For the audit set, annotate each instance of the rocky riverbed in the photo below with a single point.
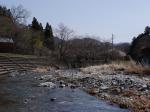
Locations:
(115, 86)
(110, 83)
(47, 92)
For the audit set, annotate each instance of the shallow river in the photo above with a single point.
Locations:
(21, 94)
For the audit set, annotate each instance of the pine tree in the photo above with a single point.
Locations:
(41, 27)
(35, 24)
(147, 30)
(48, 37)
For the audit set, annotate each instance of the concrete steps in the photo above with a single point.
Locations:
(9, 64)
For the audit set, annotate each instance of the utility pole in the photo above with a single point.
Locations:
(112, 42)
(112, 46)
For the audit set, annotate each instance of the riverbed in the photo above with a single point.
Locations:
(20, 92)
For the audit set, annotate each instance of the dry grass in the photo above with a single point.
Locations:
(131, 98)
(129, 67)
(141, 103)
(137, 69)
(43, 69)
(101, 69)
(137, 103)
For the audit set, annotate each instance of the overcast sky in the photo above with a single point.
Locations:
(123, 18)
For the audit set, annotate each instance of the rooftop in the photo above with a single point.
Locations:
(6, 40)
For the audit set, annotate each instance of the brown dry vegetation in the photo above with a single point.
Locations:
(137, 69)
(132, 68)
(129, 67)
(133, 98)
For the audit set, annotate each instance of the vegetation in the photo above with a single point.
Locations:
(28, 39)
(63, 44)
(48, 37)
(140, 47)
(111, 74)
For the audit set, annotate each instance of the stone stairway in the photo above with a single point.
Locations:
(10, 64)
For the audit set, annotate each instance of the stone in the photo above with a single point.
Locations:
(104, 87)
(93, 91)
(72, 86)
(53, 99)
(13, 74)
(62, 85)
(26, 101)
(115, 91)
(144, 88)
(47, 84)
(45, 77)
(148, 86)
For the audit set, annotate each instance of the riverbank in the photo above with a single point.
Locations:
(43, 91)
(119, 84)
(113, 83)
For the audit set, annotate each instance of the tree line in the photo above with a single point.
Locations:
(61, 43)
(140, 47)
(29, 39)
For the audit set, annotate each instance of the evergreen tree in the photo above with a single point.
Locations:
(139, 43)
(147, 30)
(48, 37)
(35, 24)
(41, 27)
(5, 12)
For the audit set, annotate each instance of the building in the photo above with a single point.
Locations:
(6, 44)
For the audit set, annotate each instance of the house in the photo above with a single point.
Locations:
(6, 44)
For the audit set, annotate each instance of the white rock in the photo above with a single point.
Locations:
(45, 77)
(103, 87)
(62, 85)
(47, 84)
(13, 74)
(144, 86)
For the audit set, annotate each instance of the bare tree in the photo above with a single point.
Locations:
(19, 14)
(64, 33)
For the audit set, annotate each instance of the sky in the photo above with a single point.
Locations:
(102, 18)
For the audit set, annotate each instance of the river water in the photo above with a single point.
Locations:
(20, 93)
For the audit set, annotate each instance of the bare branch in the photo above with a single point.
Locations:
(64, 33)
(19, 14)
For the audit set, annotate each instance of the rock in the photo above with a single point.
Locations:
(104, 95)
(115, 91)
(61, 82)
(13, 74)
(104, 87)
(122, 105)
(144, 88)
(148, 86)
(53, 99)
(62, 85)
(47, 84)
(23, 73)
(45, 77)
(26, 101)
(93, 91)
(114, 83)
(72, 86)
